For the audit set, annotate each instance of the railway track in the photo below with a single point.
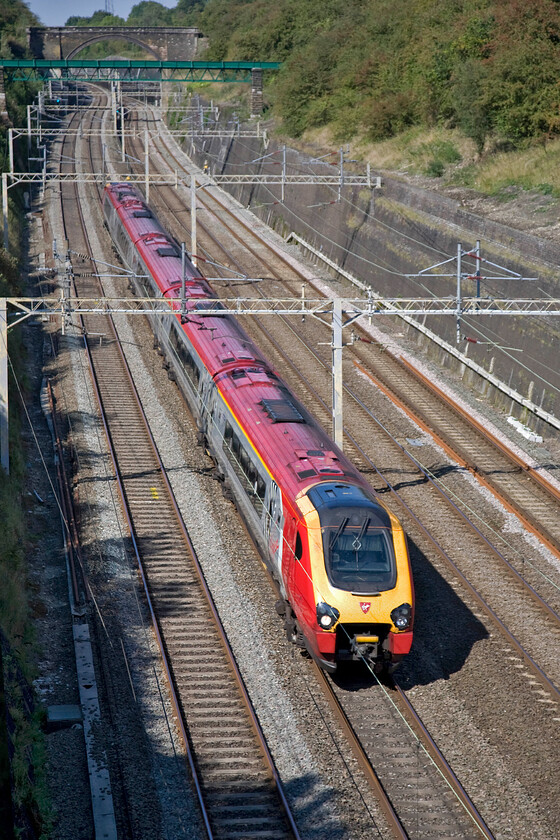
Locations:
(140, 477)
(414, 813)
(237, 784)
(444, 809)
(401, 757)
(531, 496)
(544, 502)
(522, 487)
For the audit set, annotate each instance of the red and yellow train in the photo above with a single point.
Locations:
(338, 555)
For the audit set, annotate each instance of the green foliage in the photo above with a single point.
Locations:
(150, 13)
(30, 792)
(146, 13)
(435, 168)
(15, 16)
(488, 67)
(99, 18)
(471, 101)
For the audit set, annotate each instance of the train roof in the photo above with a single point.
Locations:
(288, 439)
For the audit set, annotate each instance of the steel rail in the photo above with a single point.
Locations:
(484, 431)
(542, 603)
(161, 643)
(128, 519)
(427, 742)
(384, 801)
(444, 766)
(531, 525)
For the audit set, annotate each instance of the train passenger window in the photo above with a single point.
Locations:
(245, 463)
(184, 355)
(251, 481)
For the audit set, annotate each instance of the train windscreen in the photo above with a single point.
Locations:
(359, 554)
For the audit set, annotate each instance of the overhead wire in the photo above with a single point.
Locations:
(414, 281)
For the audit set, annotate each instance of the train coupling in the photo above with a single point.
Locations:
(365, 647)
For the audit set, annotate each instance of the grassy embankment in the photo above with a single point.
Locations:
(20, 648)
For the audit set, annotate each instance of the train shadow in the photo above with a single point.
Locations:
(446, 630)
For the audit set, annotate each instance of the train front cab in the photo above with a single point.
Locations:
(360, 577)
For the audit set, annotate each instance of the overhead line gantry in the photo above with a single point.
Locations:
(106, 70)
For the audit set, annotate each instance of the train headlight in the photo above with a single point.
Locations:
(402, 616)
(326, 616)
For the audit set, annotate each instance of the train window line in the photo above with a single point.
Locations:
(185, 358)
(251, 481)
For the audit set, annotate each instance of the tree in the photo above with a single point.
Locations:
(150, 13)
(473, 111)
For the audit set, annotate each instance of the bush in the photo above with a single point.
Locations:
(435, 168)
(489, 67)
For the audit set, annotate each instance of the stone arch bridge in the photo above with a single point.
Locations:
(164, 43)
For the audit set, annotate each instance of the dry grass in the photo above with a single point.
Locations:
(536, 168)
(427, 152)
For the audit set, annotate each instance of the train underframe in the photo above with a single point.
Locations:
(373, 645)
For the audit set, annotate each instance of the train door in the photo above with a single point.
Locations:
(274, 527)
(213, 432)
(205, 394)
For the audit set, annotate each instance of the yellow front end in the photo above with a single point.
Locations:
(364, 628)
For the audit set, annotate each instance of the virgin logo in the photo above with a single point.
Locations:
(365, 605)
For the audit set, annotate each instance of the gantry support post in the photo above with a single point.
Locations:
(183, 283)
(338, 434)
(28, 130)
(4, 116)
(147, 164)
(193, 219)
(11, 149)
(5, 210)
(478, 262)
(284, 171)
(123, 152)
(4, 447)
(114, 107)
(458, 310)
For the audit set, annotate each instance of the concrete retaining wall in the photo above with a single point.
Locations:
(380, 235)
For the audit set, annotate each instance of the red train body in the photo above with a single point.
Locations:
(338, 555)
